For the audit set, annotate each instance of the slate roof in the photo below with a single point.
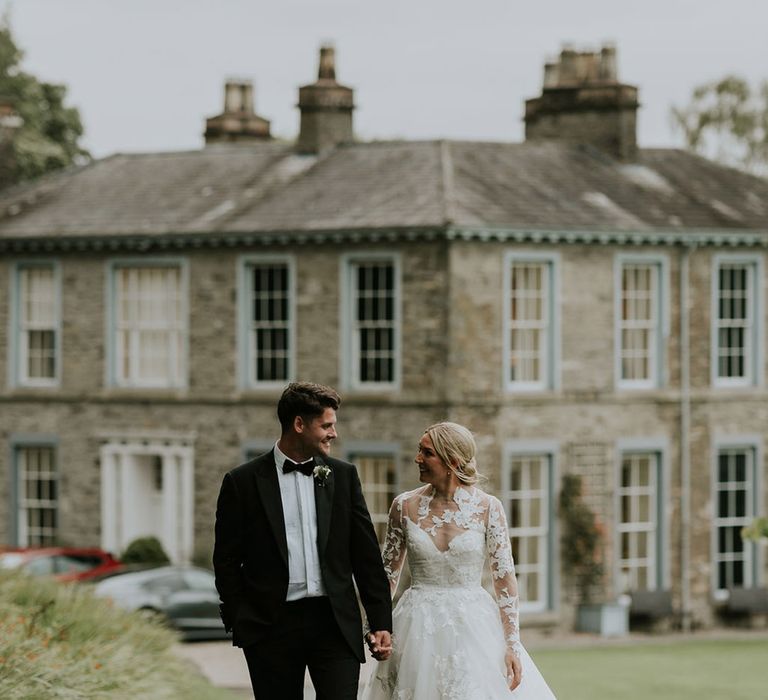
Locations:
(233, 188)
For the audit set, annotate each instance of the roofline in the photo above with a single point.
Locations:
(176, 241)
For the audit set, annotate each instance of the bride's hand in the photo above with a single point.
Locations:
(514, 669)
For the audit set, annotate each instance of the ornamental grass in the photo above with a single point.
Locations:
(59, 641)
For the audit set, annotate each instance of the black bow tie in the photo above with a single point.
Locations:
(305, 467)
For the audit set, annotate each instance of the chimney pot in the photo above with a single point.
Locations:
(608, 69)
(551, 75)
(327, 68)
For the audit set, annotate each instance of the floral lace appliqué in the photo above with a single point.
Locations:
(467, 515)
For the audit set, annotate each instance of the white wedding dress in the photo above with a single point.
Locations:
(450, 635)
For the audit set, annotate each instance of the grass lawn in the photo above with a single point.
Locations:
(685, 670)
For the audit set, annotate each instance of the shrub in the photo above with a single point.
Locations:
(145, 550)
(581, 539)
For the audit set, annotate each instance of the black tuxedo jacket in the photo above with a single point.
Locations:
(250, 555)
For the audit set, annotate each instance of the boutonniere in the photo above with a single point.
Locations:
(321, 472)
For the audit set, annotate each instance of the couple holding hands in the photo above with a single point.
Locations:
(294, 536)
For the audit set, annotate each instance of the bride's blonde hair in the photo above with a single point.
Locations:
(455, 445)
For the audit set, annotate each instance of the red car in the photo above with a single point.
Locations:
(63, 563)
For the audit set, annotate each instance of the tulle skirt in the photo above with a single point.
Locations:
(448, 644)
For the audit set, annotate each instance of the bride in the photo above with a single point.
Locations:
(452, 640)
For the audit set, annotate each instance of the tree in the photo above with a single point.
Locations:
(46, 137)
(728, 121)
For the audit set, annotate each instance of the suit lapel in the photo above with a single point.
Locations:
(269, 492)
(323, 502)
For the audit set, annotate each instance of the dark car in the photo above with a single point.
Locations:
(63, 563)
(183, 596)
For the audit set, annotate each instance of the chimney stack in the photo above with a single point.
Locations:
(326, 109)
(238, 122)
(582, 101)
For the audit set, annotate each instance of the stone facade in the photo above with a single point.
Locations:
(452, 367)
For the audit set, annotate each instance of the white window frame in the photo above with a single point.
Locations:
(381, 450)
(18, 364)
(660, 329)
(754, 348)
(113, 377)
(753, 557)
(246, 351)
(659, 448)
(551, 348)
(548, 551)
(19, 505)
(349, 366)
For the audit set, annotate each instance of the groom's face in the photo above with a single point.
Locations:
(317, 434)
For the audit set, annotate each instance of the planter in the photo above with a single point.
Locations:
(605, 619)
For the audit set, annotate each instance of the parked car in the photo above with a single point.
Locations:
(63, 563)
(185, 597)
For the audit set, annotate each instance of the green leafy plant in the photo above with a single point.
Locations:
(145, 550)
(581, 540)
(756, 530)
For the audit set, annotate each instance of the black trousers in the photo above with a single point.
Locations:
(305, 635)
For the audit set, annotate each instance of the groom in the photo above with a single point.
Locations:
(292, 529)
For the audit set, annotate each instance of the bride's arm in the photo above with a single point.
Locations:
(503, 572)
(394, 544)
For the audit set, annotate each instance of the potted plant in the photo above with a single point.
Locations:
(582, 539)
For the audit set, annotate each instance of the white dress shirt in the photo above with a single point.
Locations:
(297, 493)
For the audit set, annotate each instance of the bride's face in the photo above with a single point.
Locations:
(432, 469)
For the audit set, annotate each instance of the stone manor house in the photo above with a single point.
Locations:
(582, 304)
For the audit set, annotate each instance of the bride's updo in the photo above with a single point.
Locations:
(455, 445)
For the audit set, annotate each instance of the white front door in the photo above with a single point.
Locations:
(146, 490)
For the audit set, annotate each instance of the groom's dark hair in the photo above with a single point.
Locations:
(307, 400)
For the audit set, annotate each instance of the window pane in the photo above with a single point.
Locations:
(374, 322)
(37, 496)
(378, 477)
(639, 321)
(638, 527)
(735, 321)
(38, 321)
(269, 330)
(529, 322)
(734, 489)
(529, 523)
(149, 326)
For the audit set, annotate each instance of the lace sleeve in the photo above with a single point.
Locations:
(503, 573)
(394, 544)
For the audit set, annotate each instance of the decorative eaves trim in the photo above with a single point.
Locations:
(172, 242)
(688, 237)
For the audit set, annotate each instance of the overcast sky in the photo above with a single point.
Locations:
(146, 73)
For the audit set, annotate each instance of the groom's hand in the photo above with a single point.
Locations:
(380, 644)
